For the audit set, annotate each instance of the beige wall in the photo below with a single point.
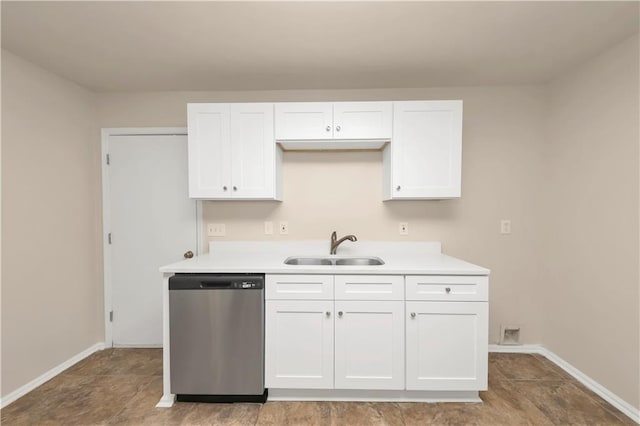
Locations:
(51, 284)
(590, 288)
(503, 142)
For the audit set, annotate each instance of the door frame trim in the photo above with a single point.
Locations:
(106, 133)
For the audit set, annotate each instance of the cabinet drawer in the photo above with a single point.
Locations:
(447, 287)
(299, 287)
(369, 287)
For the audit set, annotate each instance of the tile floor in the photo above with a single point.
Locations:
(122, 386)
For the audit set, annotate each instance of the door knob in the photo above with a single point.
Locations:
(188, 254)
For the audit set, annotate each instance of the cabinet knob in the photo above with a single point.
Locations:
(398, 188)
(328, 314)
(413, 314)
(235, 188)
(339, 313)
(224, 188)
(448, 289)
(337, 128)
(188, 254)
(328, 128)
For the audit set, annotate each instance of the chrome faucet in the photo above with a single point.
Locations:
(335, 242)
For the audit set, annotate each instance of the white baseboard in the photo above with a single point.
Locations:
(516, 349)
(166, 401)
(613, 399)
(22, 390)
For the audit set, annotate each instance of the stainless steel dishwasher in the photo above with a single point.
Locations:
(217, 337)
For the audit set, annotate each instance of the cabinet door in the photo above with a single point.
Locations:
(299, 344)
(426, 149)
(253, 151)
(369, 345)
(362, 120)
(209, 151)
(304, 121)
(447, 345)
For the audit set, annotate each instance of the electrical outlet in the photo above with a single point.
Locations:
(505, 226)
(284, 228)
(404, 228)
(216, 230)
(268, 228)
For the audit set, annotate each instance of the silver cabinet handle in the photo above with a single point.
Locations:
(224, 188)
(340, 313)
(413, 314)
(398, 188)
(328, 314)
(448, 289)
(235, 188)
(328, 128)
(337, 128)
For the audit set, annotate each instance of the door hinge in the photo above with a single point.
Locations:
(109, 237)
(111, 316)
(108, 159)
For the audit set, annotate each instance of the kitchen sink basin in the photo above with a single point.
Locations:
(338, 261)
(360, 261)
(308, 261)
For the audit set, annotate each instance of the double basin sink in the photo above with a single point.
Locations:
(335, 261)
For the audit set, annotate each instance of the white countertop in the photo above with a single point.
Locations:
(406, 258)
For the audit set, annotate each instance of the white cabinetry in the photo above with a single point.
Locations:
(369, 352)
(446, 345)
(232, 152)
(299, 333)
(310, 121)
(435, 326)
(424, 159)
(299, 344)
(447, 332)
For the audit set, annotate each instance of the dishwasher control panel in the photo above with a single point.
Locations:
(216, 282)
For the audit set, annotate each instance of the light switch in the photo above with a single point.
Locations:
(216, 230)
(505, 226)
(268, 228)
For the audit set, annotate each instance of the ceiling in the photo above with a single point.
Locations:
(142, 46)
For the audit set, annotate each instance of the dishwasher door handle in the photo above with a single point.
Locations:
(215, 284)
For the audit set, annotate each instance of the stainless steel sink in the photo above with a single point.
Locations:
(360, 261)
(338, 261)
(308, 261)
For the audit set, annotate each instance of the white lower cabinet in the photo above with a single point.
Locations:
(299, 344)
(369, 351)
(446, 344)
(426, 336)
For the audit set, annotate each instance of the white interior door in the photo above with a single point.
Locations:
(152, 223)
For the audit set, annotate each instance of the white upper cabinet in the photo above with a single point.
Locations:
(304, 121)
(232, 152)
(311, 121)
(424, 159)
(362, 120)
(209, 150)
